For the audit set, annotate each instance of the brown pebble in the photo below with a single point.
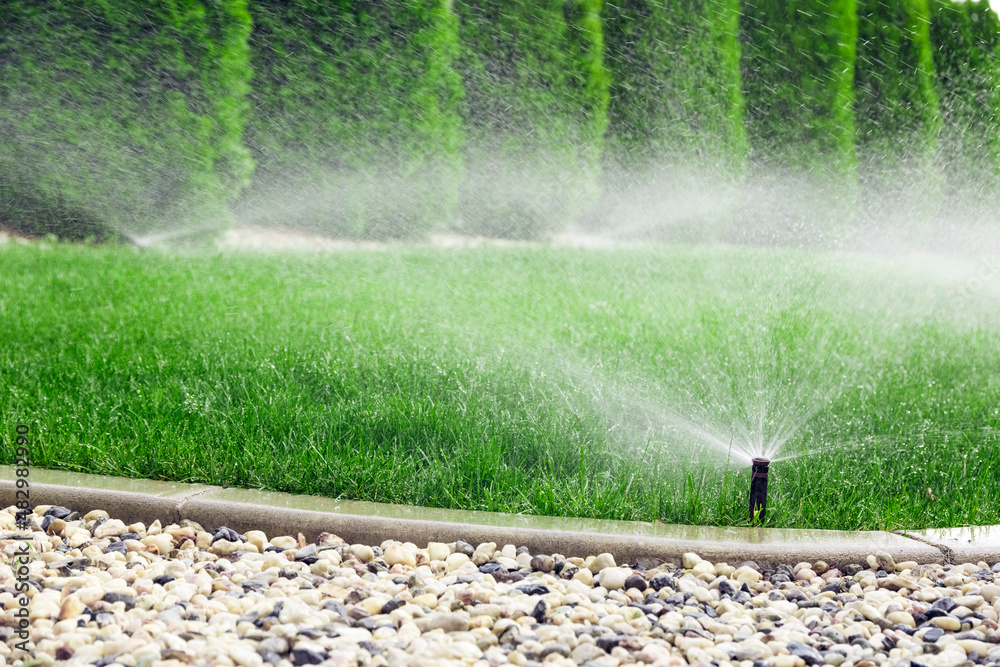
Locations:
(171, 654)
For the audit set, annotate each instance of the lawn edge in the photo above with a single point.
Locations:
(135, 500)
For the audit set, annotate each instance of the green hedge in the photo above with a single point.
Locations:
(896, 111)
(798, 80)
(535, 109)
(121, 118)
(355, 125)
(675, 120)
(965, 38)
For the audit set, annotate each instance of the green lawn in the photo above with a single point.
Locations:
(623, 384)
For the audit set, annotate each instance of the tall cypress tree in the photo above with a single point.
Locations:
(355, 124)
(534, 113)
(896, 111)
(124, 118)
(798, 80)
(968, 78)
(675, 120)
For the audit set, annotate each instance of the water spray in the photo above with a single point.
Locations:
(758, 488)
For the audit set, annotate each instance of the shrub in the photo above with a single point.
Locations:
(965, 39)
(121, 119)
(798, 80)
(355, 123)
(534, 111)
(896, 110)
(675, 142)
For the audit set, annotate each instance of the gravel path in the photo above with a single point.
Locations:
(103, 593)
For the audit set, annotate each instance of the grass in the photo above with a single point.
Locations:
(529, 379)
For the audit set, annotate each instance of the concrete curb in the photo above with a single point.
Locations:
(370, 523)
(968, 544)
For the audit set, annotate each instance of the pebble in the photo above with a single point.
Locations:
(690, 560)
(637, 582)
(446, 622)
(396, 554)
(613, 578)
(807, 653)
(112, 528)
(484, 553)
(438, 551)
(108, 594)
(455, 561)
(542, 563)
(949, 623)
(600, 562)
(885, 561)
(362, 552)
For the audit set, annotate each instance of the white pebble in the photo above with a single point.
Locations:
(112, 528)
(600, 562)
(690, 559)
(455, 561)
(438, 551)
(397, 555)
(613, 578)
(484, 553)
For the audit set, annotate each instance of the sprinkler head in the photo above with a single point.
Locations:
(758, 488)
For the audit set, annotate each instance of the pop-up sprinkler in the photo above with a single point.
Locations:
(758, 488)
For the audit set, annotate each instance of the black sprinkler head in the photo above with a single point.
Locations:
(758, 488)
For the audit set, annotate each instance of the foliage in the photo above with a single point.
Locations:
(121, 118)
(675, 121)
(896, 109)
(535, 111)
(966, 38)
(355, 125)
(798, 80)
(798, 77)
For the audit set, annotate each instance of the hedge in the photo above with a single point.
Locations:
(798, 80)
(535, 110)
(355, 125)
(896, 110)
(121, 118)
(675, 120)
(965, 39)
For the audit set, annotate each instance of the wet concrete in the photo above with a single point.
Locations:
(130, 500)
(39, 476)
(632, 540)
(969, 544)
(371, 523)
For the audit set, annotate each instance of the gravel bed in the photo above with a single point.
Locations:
(105, 593)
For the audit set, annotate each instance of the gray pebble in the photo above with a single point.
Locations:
(542, 563)
(277, 645)
(307, 656)
(558, 649)
(810, 655)
(447, 622)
